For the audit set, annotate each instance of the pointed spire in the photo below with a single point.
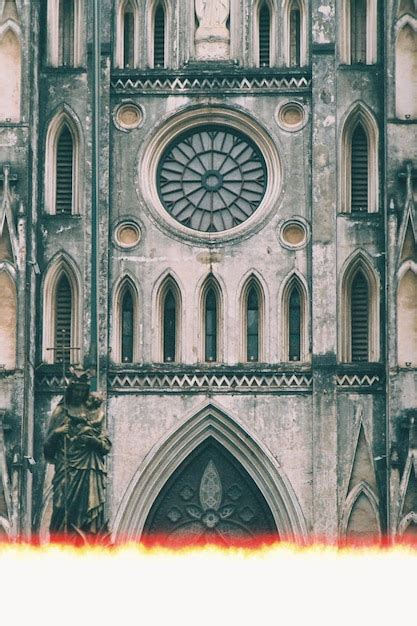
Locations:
(10, 11)
(6, 250)
(409, 248)
(362, 469)
(7, 199)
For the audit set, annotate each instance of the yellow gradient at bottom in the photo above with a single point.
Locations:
(207, 586)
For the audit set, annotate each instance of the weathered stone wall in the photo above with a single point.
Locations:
(312, 429)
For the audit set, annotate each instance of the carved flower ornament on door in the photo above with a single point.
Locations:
(210, 517)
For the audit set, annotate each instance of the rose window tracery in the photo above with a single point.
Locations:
(211, 179)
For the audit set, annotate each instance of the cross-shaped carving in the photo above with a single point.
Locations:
(63, 350)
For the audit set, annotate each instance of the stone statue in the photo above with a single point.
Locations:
(77, 443)
(212, 13)
(212, 37)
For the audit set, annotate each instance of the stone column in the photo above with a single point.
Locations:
(324, 275)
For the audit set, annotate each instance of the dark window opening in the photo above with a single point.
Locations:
(66, 32)
(358, 31)
(64, 173)
(128, 36)
(211, 326)
(252, 325)
(264, 36)
(359, 170)
(159, 38)
(127, 327)
(170, 322)
(294, 325)
(360, 318)
(295, 38)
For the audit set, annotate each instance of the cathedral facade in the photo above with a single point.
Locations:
(212, 206)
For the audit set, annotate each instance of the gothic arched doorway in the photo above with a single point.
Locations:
(209, 498)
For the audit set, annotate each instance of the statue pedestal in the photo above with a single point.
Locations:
(212, 43)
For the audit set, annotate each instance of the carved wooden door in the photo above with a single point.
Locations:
(210, 497)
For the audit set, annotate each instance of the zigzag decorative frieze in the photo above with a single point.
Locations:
(198, 382)
(52, 381)
(358, 380)
(234, 83)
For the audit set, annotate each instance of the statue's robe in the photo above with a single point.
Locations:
(80, 474)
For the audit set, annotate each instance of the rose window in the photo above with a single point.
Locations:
(211, 179)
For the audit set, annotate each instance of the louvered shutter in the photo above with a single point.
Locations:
(64, 167)
(360, 318)
(159, 38)
(127, 327)
(359, 171)
(264, 36)
(63, 320)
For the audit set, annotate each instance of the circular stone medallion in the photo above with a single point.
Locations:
(129, 116)
(293, 233)
(291, 116)
(211, 178)
(127, 234)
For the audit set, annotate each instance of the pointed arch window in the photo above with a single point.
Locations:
(169, 327)
(359, 170)
(294, 324)
(127, 326)
(295, 35)
(406, 70)
(128, 35)
(61, 313)
(159, 37)
(264, 35)
(64, 38)
(64, 171)
(63, 177)
(358, 21)
(210, 326)
(294, 345)
(10, 74)
(66, 33)
(359, 162)
(358, 31)
(359, 318)
(359, 323)
(407, 316)
(252, 324)
(63, 321)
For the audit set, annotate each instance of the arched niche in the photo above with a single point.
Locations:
(363, 523)
(407, 319)
(210, 422)
(406, 73)
(10, 76)
(8, 321)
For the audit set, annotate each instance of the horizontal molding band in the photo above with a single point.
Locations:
(224, 380)
(224, 83)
